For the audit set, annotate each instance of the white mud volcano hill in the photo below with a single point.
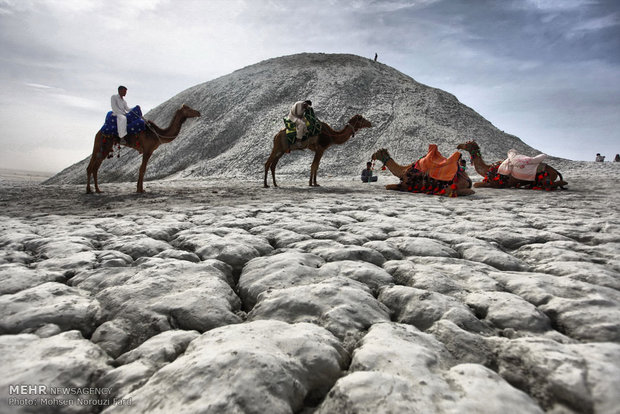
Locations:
(242, 111)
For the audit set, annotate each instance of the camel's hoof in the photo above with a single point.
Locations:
(265, 186)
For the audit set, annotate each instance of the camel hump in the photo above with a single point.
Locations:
(437, 166)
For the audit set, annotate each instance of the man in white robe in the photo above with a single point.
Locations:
(297, 115)
(120, 109)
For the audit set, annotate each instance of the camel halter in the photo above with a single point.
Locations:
(348, 124)
(474, 152)
(352, 127)
(385, 159)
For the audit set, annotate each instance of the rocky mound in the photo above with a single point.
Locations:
(242, 111)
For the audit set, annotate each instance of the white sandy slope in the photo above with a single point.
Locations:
(220, 296)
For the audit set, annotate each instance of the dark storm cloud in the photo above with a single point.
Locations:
(544, 70)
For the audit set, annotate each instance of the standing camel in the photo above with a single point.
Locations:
(145, 142)
(546, 175)
(415, 180)
(319, 143)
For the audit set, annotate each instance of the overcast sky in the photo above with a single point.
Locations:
(547, 71)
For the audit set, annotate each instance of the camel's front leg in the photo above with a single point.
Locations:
(271, 165)
(314, 168)
(100, 152)
(89, 172)
(267, 165)
(395, 187)
(92, 169)
(96, 182)
(145, 160)
(273, 168)
(480, 184)
(464, 192)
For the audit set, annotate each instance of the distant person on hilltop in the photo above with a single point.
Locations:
(617, 158)
(367, 176)
(599, 158)
(297, 116)
(376, 57)
(120, 110)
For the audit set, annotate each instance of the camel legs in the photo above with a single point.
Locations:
(271, 163)
(394, 187)
(93, 167)
(555, 175)
(464, 192)
(91, 170)
(315, 167)
(145, 159)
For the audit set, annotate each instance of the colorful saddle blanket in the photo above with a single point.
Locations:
(520, 166)
(135, 124)
(313, 126)
(437, 166)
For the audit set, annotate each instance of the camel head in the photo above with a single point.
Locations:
(359, 122)
(189, 112)
(469, 146)
(382, 155)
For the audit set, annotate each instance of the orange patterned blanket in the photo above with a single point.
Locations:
(437, 166)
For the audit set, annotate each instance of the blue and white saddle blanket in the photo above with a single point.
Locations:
(135, 124)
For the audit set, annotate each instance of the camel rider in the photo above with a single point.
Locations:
(120, 109)
(297, 115)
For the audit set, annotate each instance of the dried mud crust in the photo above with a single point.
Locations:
(354, 295)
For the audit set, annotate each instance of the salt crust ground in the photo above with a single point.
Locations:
(222, 296)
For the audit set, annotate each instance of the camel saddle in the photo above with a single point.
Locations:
(313, 126)
(135, 123)
(521, 166)
(437, 166)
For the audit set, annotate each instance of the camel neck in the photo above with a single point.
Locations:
(172, 131)
(396, 169)
(476, 158)
(175, 125)
(342, 136)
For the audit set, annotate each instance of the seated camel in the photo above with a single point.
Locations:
(516, 171)
(431, 174)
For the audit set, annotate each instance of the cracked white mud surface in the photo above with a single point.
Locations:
(223, 296)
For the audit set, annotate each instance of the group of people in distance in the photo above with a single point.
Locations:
(601, 158)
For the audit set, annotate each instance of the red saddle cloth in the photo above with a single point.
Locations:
(437, 166)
